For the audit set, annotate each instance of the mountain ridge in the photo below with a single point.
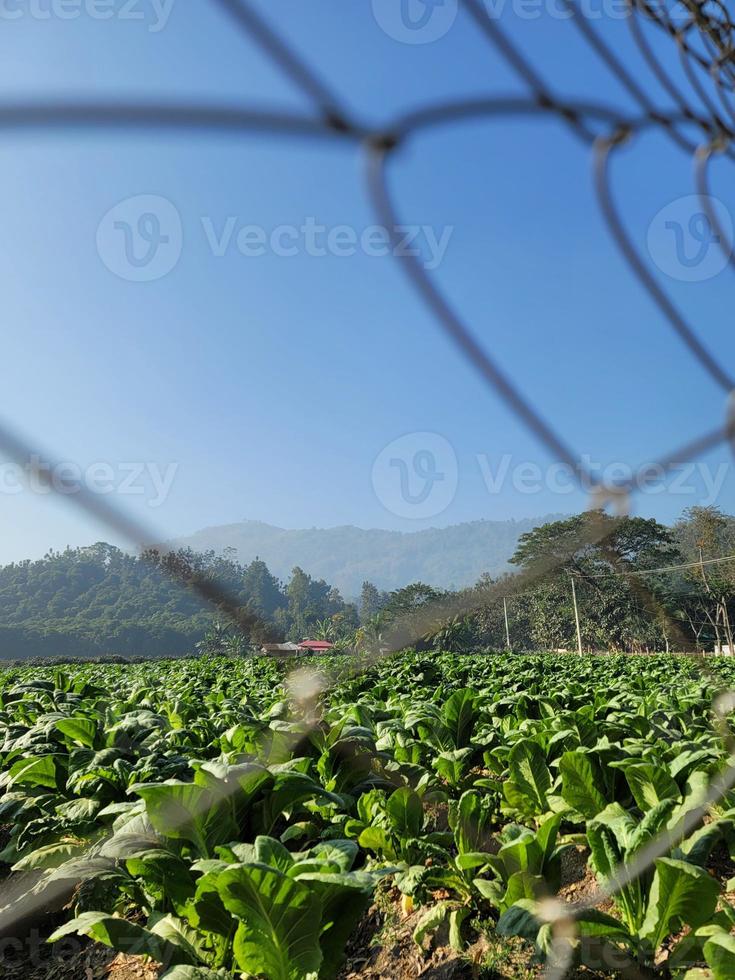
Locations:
(346, 555)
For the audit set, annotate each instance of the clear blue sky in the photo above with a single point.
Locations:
(274, 382)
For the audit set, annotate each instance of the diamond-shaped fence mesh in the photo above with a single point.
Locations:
(701, 35)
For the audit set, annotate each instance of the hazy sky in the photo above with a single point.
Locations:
(268, 386)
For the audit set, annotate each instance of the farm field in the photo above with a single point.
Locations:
(218, 818)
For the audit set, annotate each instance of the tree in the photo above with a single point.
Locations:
(371, 601)
(707, 591)
(620, 611)
(264, 591)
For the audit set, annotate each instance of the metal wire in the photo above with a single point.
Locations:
(706, 49)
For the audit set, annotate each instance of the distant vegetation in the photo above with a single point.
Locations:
(97, 600)
(87, 602)
(445, 558)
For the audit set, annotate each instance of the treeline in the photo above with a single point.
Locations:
(629, 596)
(99, 600)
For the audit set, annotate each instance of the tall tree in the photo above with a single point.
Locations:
(371, 601)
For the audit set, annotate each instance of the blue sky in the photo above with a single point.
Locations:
(267, 386)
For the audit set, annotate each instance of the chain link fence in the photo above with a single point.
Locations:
(700, 122)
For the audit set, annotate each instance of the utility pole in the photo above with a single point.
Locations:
(576, 616)
(507, 631)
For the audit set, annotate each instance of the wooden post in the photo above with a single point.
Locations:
(507, 631)
(576, 616)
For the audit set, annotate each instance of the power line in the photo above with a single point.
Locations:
(663, 568)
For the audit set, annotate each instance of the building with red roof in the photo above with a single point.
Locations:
(315, 646)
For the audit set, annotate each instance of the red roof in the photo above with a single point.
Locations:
(316, 645)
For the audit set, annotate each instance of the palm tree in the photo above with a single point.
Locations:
(325, 629)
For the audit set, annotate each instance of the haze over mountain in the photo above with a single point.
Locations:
(450, 557)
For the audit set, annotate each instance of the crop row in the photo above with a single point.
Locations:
(212, 816)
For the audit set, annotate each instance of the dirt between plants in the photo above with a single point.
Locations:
(93, 962)
(382, 948)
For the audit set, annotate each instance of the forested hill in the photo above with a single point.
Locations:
(445, 558)
(100, 600)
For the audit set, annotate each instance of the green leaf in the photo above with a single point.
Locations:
(521, 854)
(406, 812)
(49, 857)
(377, 839)
(698, 846)
(456, 918)
(649, 784)
(493, 891)
(270, 851)
(459, 715)
(78, 811)
(453, 765)
(123, 936)
(165, 875)
(344, 898)
(653, 822)
(522, 885)
(519, 920)
(35, 771)
(179, 934)
(547, 833)
(195, 973)
(473, 859)
(591, 922)
(530, 778)
(341, 852)
(431, 920)
(610, 835)
(719, 952)
(81, 730)
(186, 811)
(471, 820)
(680, 893)
(581, 784)
(280, 922)
(290, 788)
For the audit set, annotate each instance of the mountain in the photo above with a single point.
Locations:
(451, 557)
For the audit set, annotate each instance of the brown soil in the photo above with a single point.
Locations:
(722, 867)
(436, 816)
(578, 881)
(574, 865)
(68, 962)
(382, 947)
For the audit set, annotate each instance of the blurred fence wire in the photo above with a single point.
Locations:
(700, 121)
